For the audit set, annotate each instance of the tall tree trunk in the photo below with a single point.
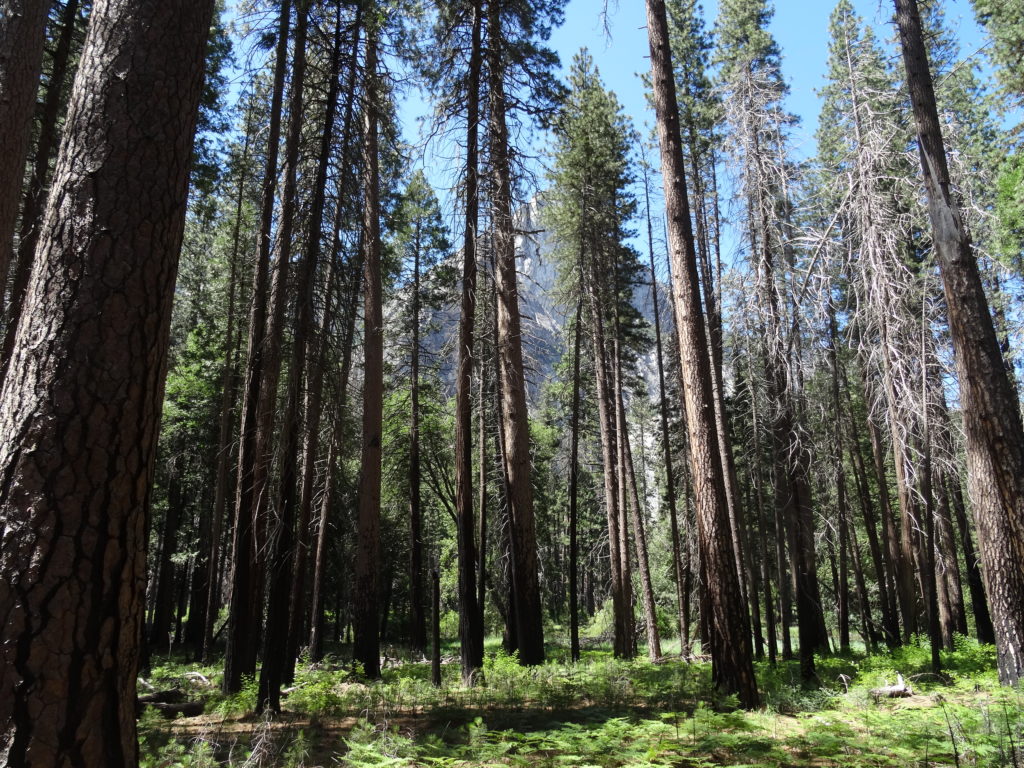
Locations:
(419, 624)
(890, 620)
(80, 410)
(366, 646)
(22, 36)
(526, 589)
(732, 659)
(222, 491)
(34, 198)
(163, 595)
(471, 634)
(992, 422)
(666, 443)
(481, 415)
(574, 472)
(842, 504)
(606, 428)
(244, 609)
(624, 504)
(307, 349)
(276, 664)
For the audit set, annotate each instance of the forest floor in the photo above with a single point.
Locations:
(602, 713)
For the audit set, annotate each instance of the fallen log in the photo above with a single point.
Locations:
(172, 709)
(901, 690)
(169, 696)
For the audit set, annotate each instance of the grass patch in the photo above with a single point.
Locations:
(604, 712)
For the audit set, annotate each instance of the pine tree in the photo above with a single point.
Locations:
(588, 206)
(753, 89)
(731, 653)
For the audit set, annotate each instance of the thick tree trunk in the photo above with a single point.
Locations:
(732, 659)
(471, 634)
(244, 609)
(366, 646)
(992, 422)
(22, 34)
(80, 409)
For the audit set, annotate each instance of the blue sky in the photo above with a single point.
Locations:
(799, 26)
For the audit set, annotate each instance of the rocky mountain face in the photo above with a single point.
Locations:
(544, 312)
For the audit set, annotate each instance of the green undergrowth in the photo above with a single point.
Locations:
(605, 712)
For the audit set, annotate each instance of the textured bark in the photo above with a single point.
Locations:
(471, 631)
(366, 641)
(34, 198)
(992, 422)
(732, 659)
(80, 409)
(244, 609)
(22, 32)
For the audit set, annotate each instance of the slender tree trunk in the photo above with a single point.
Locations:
(163, 595)
(574, 471)
(624, 504)
(992, 422)
(842, 504)
(471, 635)
(244, 608)
(222, 491)
(34, 198)
(890, 621)
(526, 589)
(22, 36)
(435, 646)
(666, 443)
(419, 625)
(606, 423)
(312, 361)
(640, 542)
(276, 664)
(732, 659)
(481, 583)
(366, 646)
(80, 409)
